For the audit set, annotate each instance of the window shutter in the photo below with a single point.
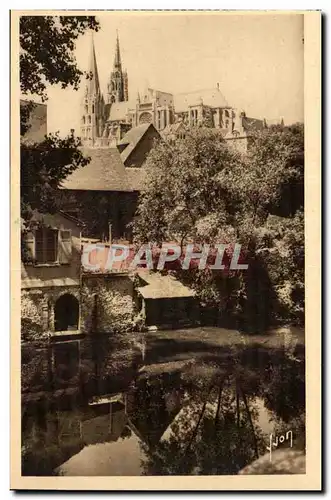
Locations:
(65, 246)
(39, 246)
(29, 242)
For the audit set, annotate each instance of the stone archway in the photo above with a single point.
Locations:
(66, 313)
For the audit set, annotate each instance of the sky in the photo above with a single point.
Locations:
(256, 59)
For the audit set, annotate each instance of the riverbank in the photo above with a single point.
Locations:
(165, 346)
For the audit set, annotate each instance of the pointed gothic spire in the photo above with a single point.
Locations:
(117, 60)
(93, 85)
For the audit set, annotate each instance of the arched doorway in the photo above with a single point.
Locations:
(66, 313)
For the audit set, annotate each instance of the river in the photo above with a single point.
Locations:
(200, 401)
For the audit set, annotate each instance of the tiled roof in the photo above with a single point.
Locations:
(210, 97)
(105, 172)
(132, 138)
(119, 110)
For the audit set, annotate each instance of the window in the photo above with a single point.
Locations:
(92, 108)
(89, 118)
(46, 245)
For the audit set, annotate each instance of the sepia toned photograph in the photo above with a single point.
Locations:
(161, 281)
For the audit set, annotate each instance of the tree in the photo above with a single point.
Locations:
(200, 190)
(47, 46)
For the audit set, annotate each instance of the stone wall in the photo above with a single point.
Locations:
(108, 304)
(37, 310)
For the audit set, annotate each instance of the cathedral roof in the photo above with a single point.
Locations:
(209, 97)
(105, 172)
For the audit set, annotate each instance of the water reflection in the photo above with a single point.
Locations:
(207, 417)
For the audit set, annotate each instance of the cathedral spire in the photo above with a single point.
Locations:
(117, 88)
(93, 86)
(92, 111)
(117, 60)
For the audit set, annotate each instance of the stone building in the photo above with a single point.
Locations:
(50, 273)
(105, 121)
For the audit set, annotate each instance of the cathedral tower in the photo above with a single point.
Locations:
(117, 89)
(93, 104)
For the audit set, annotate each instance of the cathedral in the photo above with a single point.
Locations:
(106, 119)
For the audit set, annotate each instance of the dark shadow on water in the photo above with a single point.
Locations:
(209, 415)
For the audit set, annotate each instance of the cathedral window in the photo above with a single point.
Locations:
(84, 120)
(145, 118)
(89, 118)
(165, 118)
(92, 108)
(86, 108)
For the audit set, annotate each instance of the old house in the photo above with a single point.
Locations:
(50, 274)
(104, 193)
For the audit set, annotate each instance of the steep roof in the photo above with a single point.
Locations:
(105, 172)
(133, 137)
(210, 97)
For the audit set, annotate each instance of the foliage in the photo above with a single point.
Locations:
(31, 320)
(199, 190)
(47, 45)
(43, 167)
(107, 310)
